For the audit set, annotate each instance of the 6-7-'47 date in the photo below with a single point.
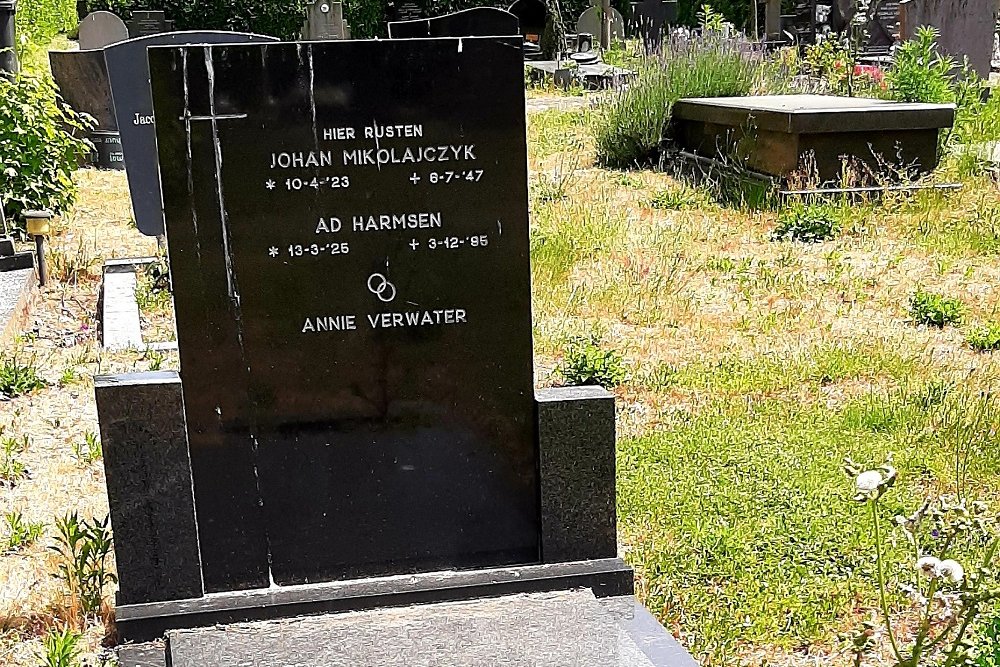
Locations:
(470, 176)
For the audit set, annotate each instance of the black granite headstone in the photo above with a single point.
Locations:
(348, 240)
(651, 17)
(883, 28)
(148, 22)
(128, 71)
(475, 22)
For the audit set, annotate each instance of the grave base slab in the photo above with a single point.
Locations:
(557, 629)
(149, 621)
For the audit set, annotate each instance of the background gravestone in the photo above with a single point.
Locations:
(590, 22)
(966, 27)
(148, 22)
(100, 29)
(883, 28)
(404, 10)
(475, 22)
(349, 247)
(128, 71)
(324, 20)
(531, 16)
(651, 17)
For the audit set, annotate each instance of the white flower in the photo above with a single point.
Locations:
(868, 481)
(950, 570)
(928, 566)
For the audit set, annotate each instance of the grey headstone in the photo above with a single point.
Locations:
(100, 29)
(966, 27)
(149, 486)
(576, 443)
(590, 22)
(128, 70)
(565, 629)
(324, 20)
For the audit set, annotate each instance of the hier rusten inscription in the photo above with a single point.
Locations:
(349, 244)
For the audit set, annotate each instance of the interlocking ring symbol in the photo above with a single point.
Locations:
(380, 286)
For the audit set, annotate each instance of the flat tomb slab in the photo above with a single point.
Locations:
(797, 114)
(563, 629)
(781, 134)
(17, 290)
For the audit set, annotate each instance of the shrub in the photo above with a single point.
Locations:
(808, 223)
(278, 18)
(39, 145)
(631, 126)
(920, 73)
(38, 21)
(935, 309)
(984, 338)
(586, 363)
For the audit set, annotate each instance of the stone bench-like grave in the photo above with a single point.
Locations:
(781, 134)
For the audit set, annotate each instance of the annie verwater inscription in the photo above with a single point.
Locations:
(349, 242)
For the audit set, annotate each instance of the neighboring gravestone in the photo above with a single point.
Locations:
(100, 29)
(531, 16)
(966, 27)
(476, 22)
(883, 28)
(651, 17)
(404, 11)
(82, 77)
(324, 20)
(129, 74)
(590, 22)
(147, 22)
(385, 426)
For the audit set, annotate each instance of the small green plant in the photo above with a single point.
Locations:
(585, 362)
(18, 377)
(156, 359)
(83, 548)
(935, 309)
(68, 376)
(20, 533)
(807, 222)
(89, 450)
(984, 338)
(949, 578)
(676, 199)
(61, 648)
(12, 469)
(920, 73)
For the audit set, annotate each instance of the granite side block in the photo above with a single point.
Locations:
(576, 442)
(150, 493)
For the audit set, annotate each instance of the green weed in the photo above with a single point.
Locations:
(934, 309)
(678, 198)
(807, 222)
(20, 533)
(585, 362)
(18, 377)
(12, 469)
(62, 648)
(89, 450)
(83, 548)
(984, 338)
